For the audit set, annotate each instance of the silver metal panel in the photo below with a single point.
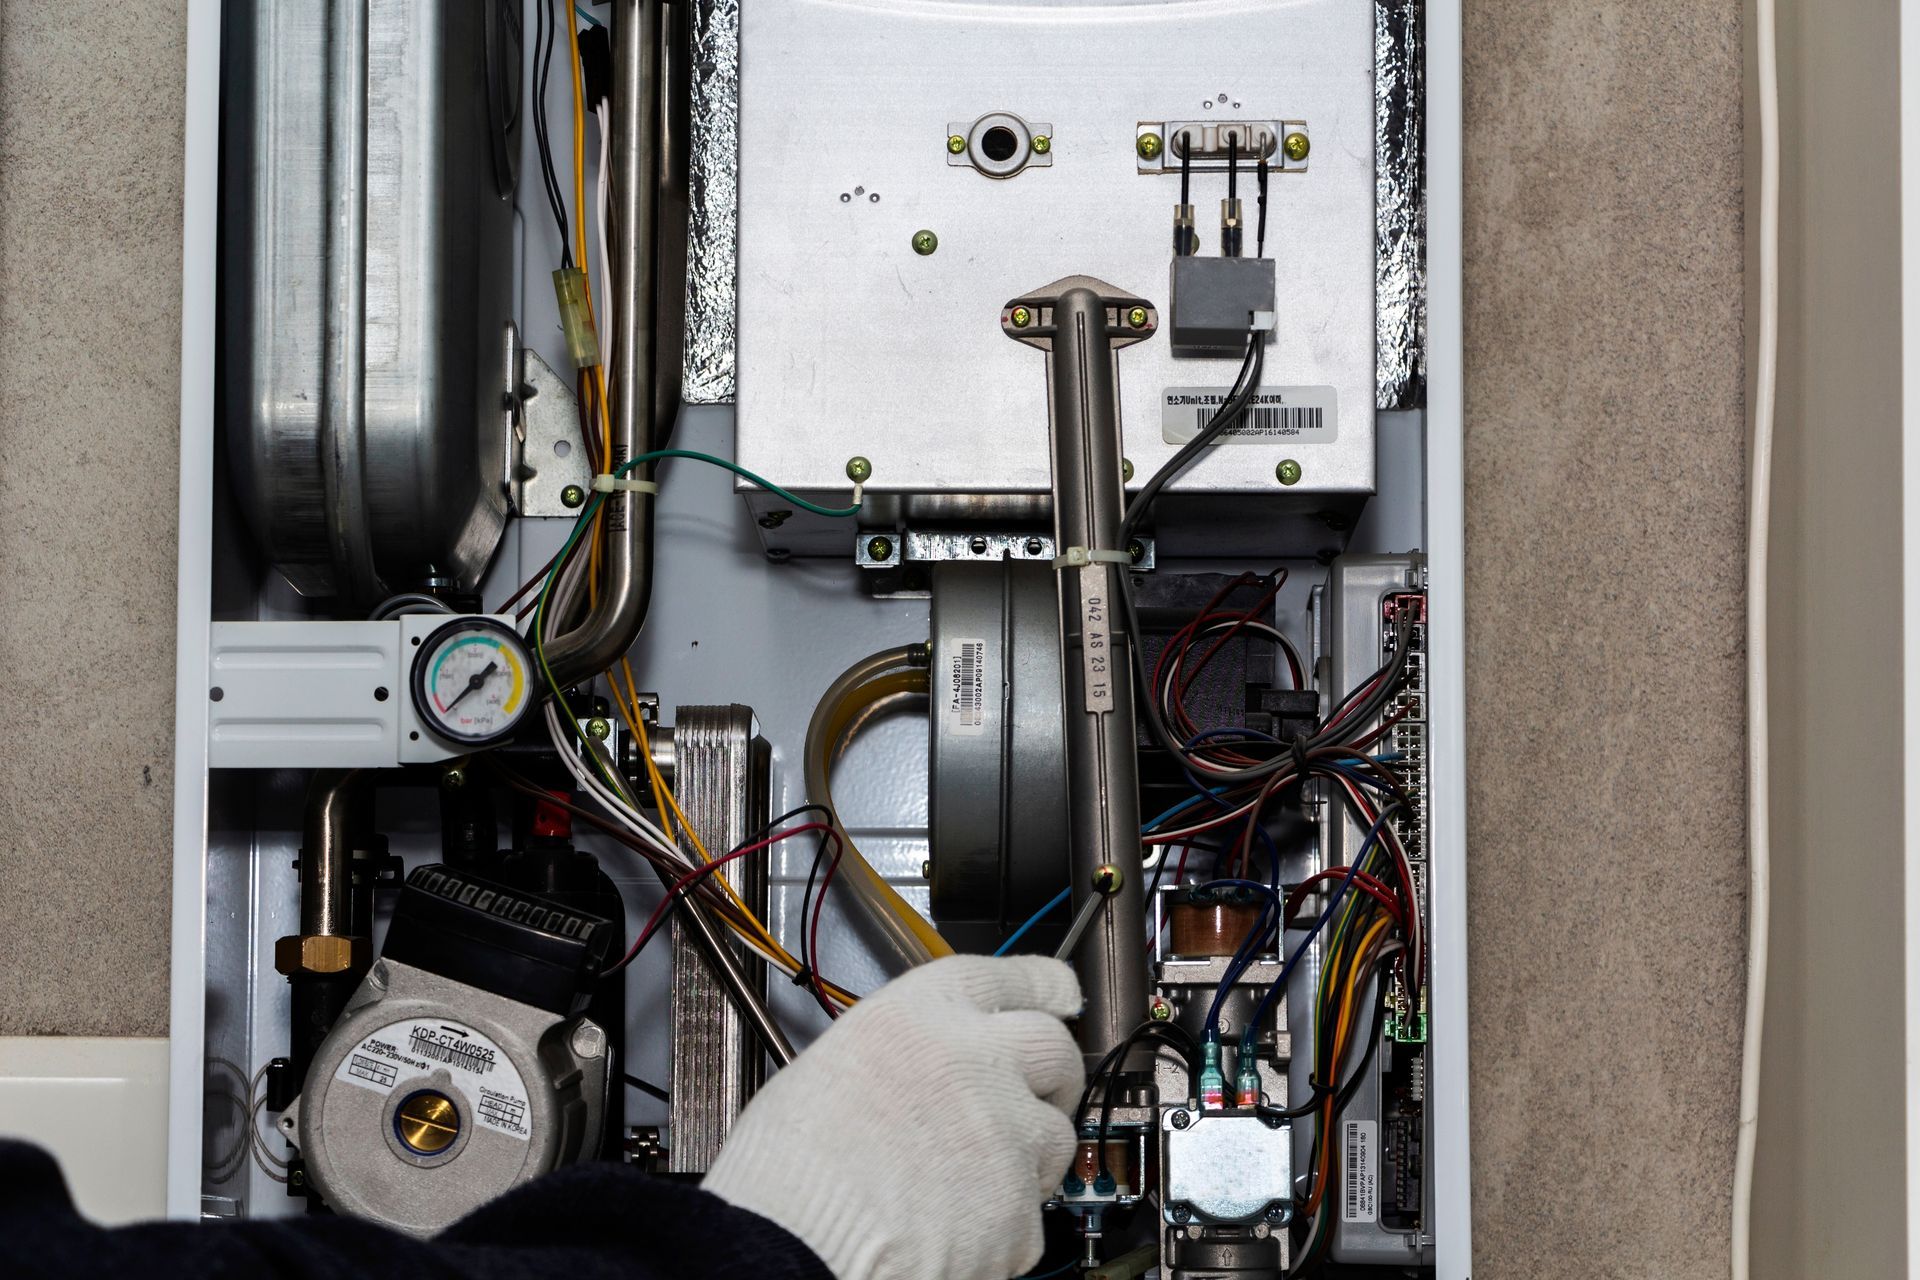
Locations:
(1400, 138)
(720, 778)
(852, 343)
(1226, 1167)
(418, 214)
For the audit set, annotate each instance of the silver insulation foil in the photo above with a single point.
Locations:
(1400, 203)
(713, 217)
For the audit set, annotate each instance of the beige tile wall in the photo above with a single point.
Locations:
(1604, 539)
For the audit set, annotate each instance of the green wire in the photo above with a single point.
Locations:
(584, 523)
(743, 473)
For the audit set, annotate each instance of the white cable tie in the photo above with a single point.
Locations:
(1080, 557)
(619, 484)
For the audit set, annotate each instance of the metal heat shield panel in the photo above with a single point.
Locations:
(853, 343)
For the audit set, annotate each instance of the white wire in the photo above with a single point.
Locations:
(1759, 519)
(603, 306)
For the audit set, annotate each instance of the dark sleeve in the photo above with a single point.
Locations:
(593, 1221)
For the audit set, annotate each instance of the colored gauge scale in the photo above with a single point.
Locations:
(473, 681)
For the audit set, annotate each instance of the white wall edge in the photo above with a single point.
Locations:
(187, 1012)
(1450, 1093)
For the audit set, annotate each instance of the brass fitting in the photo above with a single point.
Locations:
(319, 954)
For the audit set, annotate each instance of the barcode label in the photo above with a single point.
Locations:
(966, 700)
(1360, 1201)
(1278, 415)
(452, 1052)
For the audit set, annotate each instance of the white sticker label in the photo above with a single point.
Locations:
(1278, 415)
(1096, 645)
(1361, 1201)
(966, 705)
(409, 1051)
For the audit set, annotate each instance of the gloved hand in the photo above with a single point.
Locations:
(918, 1138)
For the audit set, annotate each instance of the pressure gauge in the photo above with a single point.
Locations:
(473, 681)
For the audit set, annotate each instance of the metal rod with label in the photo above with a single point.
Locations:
(1081, 323)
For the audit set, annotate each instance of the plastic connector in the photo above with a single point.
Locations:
(576, 316)
(1213, 1081)
(1246, 1080)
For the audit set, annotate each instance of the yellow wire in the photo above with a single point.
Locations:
(630, 707)
(669, 807)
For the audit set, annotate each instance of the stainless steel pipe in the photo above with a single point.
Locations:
(1081, 323)
(642, 32)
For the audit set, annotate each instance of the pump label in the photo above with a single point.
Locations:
(412, 1053)
(1361, 1148)
(966, 688)
(1278, 415)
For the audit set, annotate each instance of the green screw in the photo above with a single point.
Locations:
(1126, 468)
(879, 548)
(1296, 146)
(956, 144)
(1021, 317)
(1148, 145)
(1158, 1010)
(925, 242)
(572, 496)
(1136, 551)
(1137, 317)
(1042, 144)
(598, 729)
(859, 470)
(1288, 472)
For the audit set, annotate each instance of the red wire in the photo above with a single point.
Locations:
(813, 936)
(705, 869)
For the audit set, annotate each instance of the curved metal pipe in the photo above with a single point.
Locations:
(326, 855)
(343, 424)
(647, 170)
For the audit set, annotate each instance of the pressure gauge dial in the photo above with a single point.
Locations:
(473, 681)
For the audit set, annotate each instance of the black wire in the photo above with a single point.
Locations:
(1260, 236)
(1172, 1035)
(1352, 1086)
(546, 28)
(651, 1090)
(1245, 386)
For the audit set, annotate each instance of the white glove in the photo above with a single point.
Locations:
(918, 1138)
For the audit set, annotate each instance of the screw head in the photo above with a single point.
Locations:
(1148, 145)
(1107, 879)
(1158, 1010)
(1180, 1119)
(879, 548)
(926, 869)
(589, 1041)
(859, 470)
(1136, 551)
(453, 777)
(925, 242)
(598, 729)
(955, 144)
(1296, 147)
(1021, 317)
(978, 546)
(1035, 546)
(1126, 468)
(1137, 317)
(1042, 144)
(572, 496)
(1288, 472)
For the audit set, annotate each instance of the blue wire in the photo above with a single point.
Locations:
(1048, 1275)
(1286, 970)
(1033, 920)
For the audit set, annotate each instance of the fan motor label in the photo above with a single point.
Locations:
(965, 700)
(411, 1052)
(1360, 1149)
(1278, 415)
